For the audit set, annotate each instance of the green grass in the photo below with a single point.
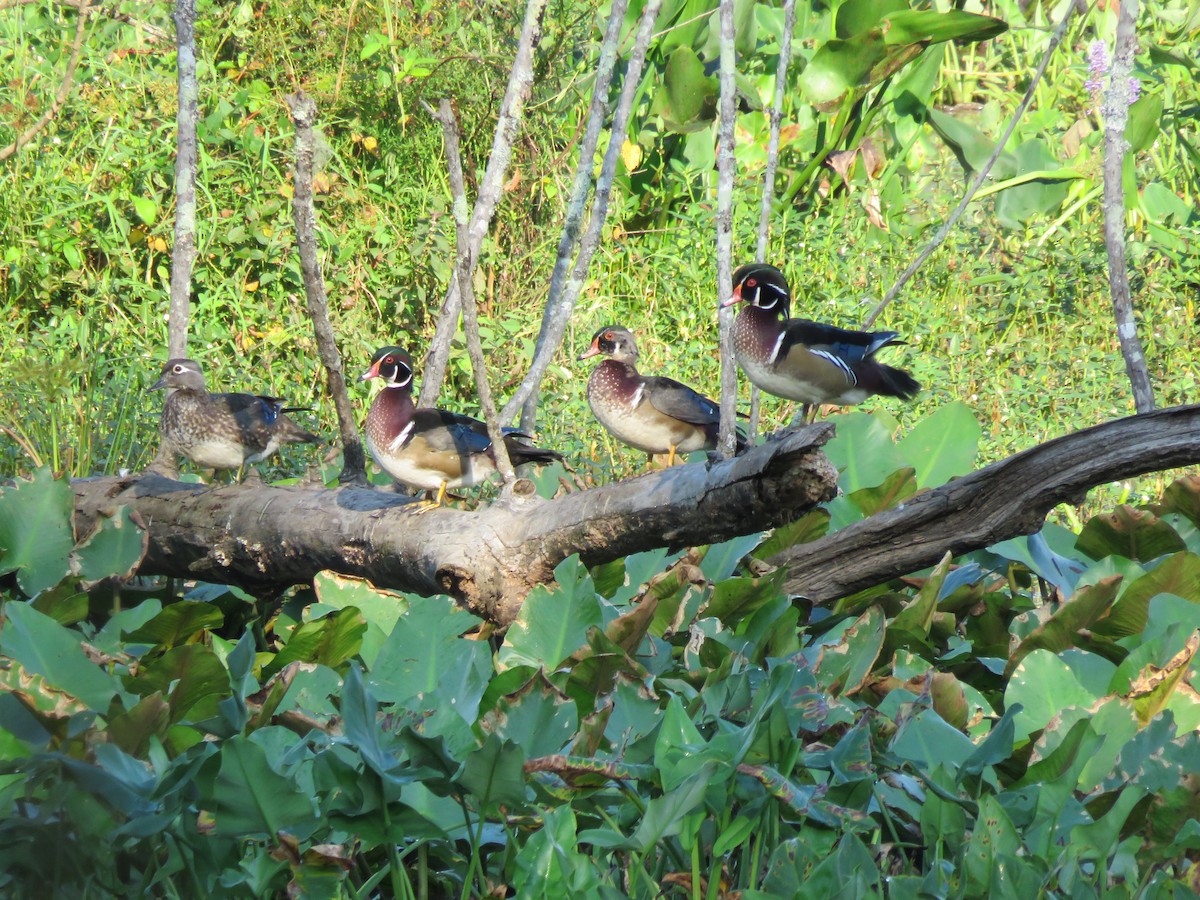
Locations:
(1014, 322)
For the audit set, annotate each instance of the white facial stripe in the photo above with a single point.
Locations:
(398, 440)
(399, 384)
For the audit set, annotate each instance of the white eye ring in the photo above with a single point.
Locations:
(178, 369)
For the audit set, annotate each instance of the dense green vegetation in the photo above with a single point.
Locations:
(1019, 721)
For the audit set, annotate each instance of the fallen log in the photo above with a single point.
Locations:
(1004, 500)
(489, 559)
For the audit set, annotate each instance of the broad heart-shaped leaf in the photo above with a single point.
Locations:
(379, 607)
(36, 531)
(132, 729)
(894, 489)
(1081, 611)
(1182, 496)
(911, 26)
(842, 667)
(664, 815)
(689, 94)
(553, 622)
(1178, 574)
(248, 797)
(330, 641)
(1044, 554)
(840, 66)
(1142, 128)
(812, 525)
(912, 623)
(191, 677)
(114, 548)
(539, 718)
(856, 16)
(970, 146)
(943, 444)
(734, 599)
(1022, 202)
(863, 450)
(550, 866)
(1136, 534)
(993, 837)
(495, 774)
(424, 655)
(1154, 686)
(177, 624)
(1044, 686)
(43, 647)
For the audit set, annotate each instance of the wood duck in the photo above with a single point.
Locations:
(221, 431)
(803, 360)
(428, 448)
(652, 413)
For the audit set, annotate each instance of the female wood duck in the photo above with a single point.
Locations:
(803, 360)
(428, 448)
(649, 413)
(221, 431)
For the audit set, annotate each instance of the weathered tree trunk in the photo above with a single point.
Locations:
(489, 559)
(258, 535)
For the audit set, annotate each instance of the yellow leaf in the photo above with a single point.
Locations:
(370, 143)
(631, 155)
(250, 286)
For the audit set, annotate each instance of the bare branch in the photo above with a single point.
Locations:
(1116, 112)
(463, 268)
(558, 309)
(183, 252)
(727, 439)
(304, 113)
(508, 125)
(980, 176)
(768, 197)
(64, 89)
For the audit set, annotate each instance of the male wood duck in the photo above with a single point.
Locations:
(803, 360)
(221, 431)
(652, 413)
(428, 448)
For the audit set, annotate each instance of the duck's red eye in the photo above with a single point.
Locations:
(751, 282)
(608, 336)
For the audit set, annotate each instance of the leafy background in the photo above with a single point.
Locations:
(1020, 720)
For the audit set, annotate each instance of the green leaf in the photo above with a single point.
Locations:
(146, 209)
(249, 798)
(842, 667)
(424, 656)
(840, 66)
(113, 549)
(863, 451)
(813, 525)
(538, 718)
(553, 622)
(1044, 686)
(1178, 575)
(331, 641)
(1136, 534)
(191, 677)
(892, 491)
(856, 16)
(690, 94)
(380, 608)
(970, 147)
(177, 624)
(993, 836)
(929, 741)
(43, 647)
(549, 866)
(1077, 614)
(495, 774)
(734, 599)
(664, 816)
(942, 445)
(1142, 128)
(913, 622)
(36, 534)
(912, 26)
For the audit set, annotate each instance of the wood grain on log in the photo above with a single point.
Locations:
(489, 559)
